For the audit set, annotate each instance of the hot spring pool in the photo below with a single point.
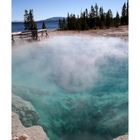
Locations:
(78, 85)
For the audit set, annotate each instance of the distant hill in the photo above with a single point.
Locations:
(54, 18)
(51, 23)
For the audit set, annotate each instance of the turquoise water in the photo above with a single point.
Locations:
(78, 85)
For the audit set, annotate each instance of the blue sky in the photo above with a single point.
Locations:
(44, 9)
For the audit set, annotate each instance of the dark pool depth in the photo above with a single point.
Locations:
(78, 85)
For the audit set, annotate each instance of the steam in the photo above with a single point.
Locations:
(78, 85)
(72, 63)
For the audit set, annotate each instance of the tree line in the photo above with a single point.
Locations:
(95, 18)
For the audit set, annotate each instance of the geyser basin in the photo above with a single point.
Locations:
(78, 85)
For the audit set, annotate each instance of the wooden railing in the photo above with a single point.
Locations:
(29, 34)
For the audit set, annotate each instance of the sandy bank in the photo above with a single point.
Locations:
(121, 32)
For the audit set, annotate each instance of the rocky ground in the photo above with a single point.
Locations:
(25, 121)
(25, 110)
(124, 137)
(19, 132)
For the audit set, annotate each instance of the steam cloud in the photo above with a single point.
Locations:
(73, 64)
(78, 85)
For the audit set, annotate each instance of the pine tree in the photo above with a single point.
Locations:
(109, 18)
(26, 20)
(78, 24)
(124, 14)
(60, 24)
(63, 24)
(96, 16)
(68, 21)
(101, 18)
(127, 13)
(86, 13)
(70, 25)
(43, 25)
(31, 19)
(117, 20)
(84, 25)
(96, 10)
(92, 17)
(87, 18)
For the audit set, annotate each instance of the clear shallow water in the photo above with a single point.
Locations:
(78, 85)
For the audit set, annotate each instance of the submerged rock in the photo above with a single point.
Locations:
(19, 132)
(27, 114)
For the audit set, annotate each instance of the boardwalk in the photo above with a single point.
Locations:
(28, 35)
